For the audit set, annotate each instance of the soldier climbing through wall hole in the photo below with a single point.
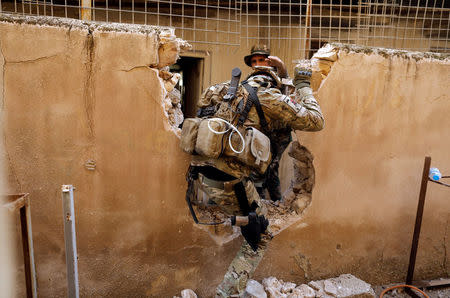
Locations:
(230, 145)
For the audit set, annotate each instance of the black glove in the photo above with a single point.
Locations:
(257, 225)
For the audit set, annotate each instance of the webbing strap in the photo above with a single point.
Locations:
(253, 100)
(192, 175)
(241, 195)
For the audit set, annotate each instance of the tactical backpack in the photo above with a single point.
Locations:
(219, 129)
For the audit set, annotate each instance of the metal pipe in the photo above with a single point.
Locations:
(70, 241)
(86, 11)
(307, 29)
(419, 215)
(31, 248)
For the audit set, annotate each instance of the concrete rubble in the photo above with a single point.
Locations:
(254, 290)
(187, 293)
(344, 286)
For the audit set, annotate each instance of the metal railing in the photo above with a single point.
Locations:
(421, 25)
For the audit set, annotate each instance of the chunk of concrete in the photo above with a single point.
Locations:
(344, 286)
(351, 286)
(276, 293)
(303, 291)
(188, 293)
(254, 290)
(330, 288)
(271, 282)
(316, 285)
(328, 52)
(287, 287)
(273, 287)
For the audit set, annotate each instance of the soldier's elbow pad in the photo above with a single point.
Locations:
(320, 124)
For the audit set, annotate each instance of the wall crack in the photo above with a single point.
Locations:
(135, 67)
(32, 60)
(88, 85)
(3, 76)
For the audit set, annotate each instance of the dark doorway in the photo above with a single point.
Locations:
(190, 84)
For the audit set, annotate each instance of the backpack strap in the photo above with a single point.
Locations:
(253, 100)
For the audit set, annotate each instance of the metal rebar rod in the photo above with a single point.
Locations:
(132, 11)
(330, 21)
(431, 27)
(70, 241)
(320, 23)
(349, 23)
(182, 19)
(279, 22)
(246, 23)
(418, 224)
(229, 18)
(307, 30)
(86, 13)
(423, 25)
(268, 22)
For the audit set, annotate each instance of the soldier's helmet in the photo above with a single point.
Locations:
(256, 50)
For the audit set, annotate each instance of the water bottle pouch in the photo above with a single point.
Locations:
(260, 146)
(189, 134)
(257, 152)
(209, 138)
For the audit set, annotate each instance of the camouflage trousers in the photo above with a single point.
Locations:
(244, 264)
(242, 268)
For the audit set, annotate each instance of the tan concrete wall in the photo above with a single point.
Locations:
(78, 92)
(74, 92)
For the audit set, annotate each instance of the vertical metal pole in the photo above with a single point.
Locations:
(307, 28)
(86, 10)
(26, 251)
(31, 248)
(415, 241)
(70, 240)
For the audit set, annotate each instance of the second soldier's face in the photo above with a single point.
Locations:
(259, 60)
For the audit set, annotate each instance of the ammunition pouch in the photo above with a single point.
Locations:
(189, 134)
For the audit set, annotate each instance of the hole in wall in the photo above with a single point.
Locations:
(297, 177)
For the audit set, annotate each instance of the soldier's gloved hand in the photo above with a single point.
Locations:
(302, 74)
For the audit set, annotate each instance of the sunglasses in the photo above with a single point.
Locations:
(259, 59)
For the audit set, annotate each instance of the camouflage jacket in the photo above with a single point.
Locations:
(299, 111)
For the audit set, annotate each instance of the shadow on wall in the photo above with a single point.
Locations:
(8, 267)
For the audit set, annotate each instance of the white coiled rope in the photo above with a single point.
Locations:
(230, 126)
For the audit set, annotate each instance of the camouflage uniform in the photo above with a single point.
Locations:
(299, 111)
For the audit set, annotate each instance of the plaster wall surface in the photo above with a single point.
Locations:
(76, 95)
(86, 105)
